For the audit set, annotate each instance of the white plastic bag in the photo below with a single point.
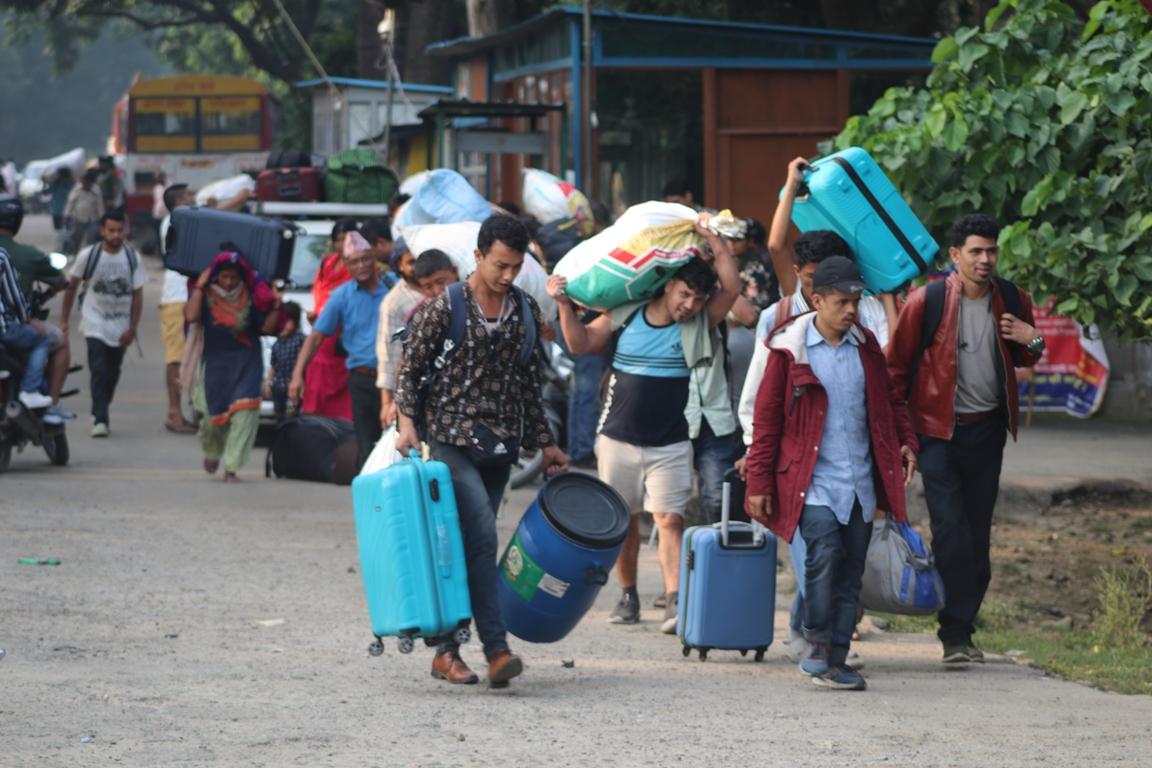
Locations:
(550, 198)
(384, 454)
(224, 190)
(459, 242)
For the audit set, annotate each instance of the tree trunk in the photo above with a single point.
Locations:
(486, 17)
(369, 63)
(419, 24)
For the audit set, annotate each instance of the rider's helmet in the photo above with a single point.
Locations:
(11, 213)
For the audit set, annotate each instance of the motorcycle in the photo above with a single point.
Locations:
(20, 425)
(556, 385)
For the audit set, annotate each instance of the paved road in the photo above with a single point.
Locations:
(196, 623)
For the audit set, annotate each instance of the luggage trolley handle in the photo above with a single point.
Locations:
(726, 514)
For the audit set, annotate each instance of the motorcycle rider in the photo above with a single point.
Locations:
(33, 265)
(17, 334)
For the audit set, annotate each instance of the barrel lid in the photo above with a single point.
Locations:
(585, 510)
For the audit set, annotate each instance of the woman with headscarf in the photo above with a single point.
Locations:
(326, 379)
(229, 309)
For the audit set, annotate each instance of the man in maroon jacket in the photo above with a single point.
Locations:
(962, 396)
(831, 444)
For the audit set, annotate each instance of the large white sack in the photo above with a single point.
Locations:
(223, 190)
(73, 159)
(550, 198)
(445, 197)
(632, 259)
(458, 240)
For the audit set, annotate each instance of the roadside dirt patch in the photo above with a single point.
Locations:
(1047, 566)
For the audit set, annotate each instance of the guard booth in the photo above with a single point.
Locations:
(477, 138)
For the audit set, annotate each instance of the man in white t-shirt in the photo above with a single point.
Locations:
(109, 312)
(173, 297)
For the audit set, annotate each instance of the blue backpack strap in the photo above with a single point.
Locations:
(531, 333)
(457, 322)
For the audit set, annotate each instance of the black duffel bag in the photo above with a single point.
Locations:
(322, 449)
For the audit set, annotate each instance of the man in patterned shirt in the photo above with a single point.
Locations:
(479, 400)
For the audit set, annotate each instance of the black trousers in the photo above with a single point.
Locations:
(365, 413)
(961, 482)
(104, 366)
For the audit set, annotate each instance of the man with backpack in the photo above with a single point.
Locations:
(643, 448)
(470, 380)
(110, 310)
(954, 351)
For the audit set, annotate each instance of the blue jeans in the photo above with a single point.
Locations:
(799, 551)
(24, 337)
(713, 455)
(584, 405)
(833, 569)
(478, 496)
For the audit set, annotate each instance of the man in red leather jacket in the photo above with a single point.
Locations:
(962, 396)
(831, 444)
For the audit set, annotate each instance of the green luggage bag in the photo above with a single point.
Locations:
(359, 176)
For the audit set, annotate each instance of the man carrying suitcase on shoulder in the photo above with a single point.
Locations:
(479, 401)
(956, 346)
(831, 443)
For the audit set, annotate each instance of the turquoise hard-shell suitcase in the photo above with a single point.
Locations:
(412, 554)
(849, 194)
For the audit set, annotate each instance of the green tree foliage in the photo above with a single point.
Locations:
(1043, 120)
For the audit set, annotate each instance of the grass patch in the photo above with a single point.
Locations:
(1115, 661)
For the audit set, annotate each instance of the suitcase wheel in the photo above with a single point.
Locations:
(375, 648)
(703, 654)
(759, 654)
(405, 645)
(743, 651)
(687, 650)
(462, 635)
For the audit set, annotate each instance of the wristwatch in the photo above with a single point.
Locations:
(1036, 346)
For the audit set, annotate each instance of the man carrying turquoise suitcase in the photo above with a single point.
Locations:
(478, 402)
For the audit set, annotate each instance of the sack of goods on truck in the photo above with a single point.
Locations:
(359, 176)
(458, 240)
(549, 198)
(445, 197)
(849, 194)
(632, 259)
(224, 190)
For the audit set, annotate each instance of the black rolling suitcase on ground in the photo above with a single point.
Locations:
(322, 449)
(198, 234)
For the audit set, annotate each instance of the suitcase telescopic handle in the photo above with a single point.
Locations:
(726, 513)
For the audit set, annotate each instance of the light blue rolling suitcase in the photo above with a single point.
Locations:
(412, 554)
(727, 587)
(850, 195)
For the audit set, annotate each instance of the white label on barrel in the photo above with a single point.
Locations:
(553, 585)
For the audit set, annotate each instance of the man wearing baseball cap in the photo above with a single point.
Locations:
(831, 444)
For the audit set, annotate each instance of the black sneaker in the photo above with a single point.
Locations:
(975, 654)
(627, 611)
(957, 653)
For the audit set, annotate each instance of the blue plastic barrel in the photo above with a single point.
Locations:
(560, 556)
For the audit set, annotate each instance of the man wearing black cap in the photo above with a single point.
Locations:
(831, 444)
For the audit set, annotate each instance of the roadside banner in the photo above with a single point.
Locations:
(1072, 376)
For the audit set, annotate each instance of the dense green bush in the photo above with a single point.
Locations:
(1044, 121)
